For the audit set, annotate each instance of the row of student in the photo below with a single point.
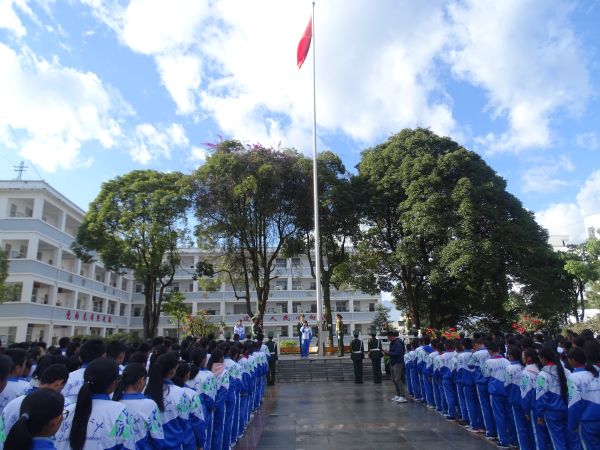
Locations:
(185, 400)
(528, 399)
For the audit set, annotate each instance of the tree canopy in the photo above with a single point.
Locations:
(442, 233)
(137, 222)
(248, 201)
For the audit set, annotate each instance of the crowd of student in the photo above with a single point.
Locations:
(197, 394)
(521, 391)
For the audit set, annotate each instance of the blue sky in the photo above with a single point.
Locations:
(92, 89)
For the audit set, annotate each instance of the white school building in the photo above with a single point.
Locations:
(57, 295)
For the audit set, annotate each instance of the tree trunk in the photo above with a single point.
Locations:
(327, 302)
(582, 300)
(411, 301)
(149, 321)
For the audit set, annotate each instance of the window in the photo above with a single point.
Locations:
(122, 310)
(297, 285)
(356, 306)
(281, 285)
(297, 308)
(138, 288)
(371, 307)
(283, 332)
(13, 210)
(280, 263)
(296, 263)
(137, 311)
(341, 307)
(358, 327)
(239, 309)
(313, 286)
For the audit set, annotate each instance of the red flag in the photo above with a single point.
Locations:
(304, 44)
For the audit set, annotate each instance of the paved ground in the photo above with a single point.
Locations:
(345, 416)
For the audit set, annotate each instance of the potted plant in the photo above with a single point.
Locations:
(289, 346)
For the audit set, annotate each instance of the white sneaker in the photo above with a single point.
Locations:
(395, 399)
(401, 400)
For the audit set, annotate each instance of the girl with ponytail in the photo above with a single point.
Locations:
(147, 430)
(206, 385)
(197, 422)
(95, 421)
(528, 390)
(41, 416)
(217, 367)
(232, 404)
(552, 397)
(172, 402)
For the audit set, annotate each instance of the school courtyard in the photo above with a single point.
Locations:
(346, 416)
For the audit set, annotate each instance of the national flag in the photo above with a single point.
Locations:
(304, 44)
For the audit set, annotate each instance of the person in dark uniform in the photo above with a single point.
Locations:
(272, 346)
(375, 355)
(339, 333)
(357, 355)
(256, 328)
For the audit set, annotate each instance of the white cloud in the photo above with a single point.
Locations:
(9, 19)
(197, 156)
(524, 54)
(588, 197)
(563, 218)
(55, 109)
(568, 218)
(545, 176)
(151, 143)
(588, 141)
(378, 69)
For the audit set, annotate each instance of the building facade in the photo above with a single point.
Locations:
(56, 294)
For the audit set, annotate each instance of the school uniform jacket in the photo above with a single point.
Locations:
(176, 417)
(465, 373)
(14, 388)
(547, 392)
(591, 399)
(109, 426)
(512, 382)
(476, 363)
(495, 369)
(73, 384)
(205, 384)
(527, 386)
(578, 382)
(146, 423)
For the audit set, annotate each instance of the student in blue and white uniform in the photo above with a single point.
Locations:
(195, 408)
(54, 377)
(495, 368)
(240, 330)
(41, 415)
(232, 404)
(172, 402)
(528, 393)
(481, 379)
(218, 369)
(425, 383)
(145, 416)
(90, 350)
(467, 379)
(448, 376)
(589, 427)
(205, 384)
(245, 386)
(551, 399)
(15, 386)
(306, 336)
(435, 359)
(408, 356)
(578, 382)
(96, 422)
(512, 382)
(460, 394)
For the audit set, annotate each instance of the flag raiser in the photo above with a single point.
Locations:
(304, 44)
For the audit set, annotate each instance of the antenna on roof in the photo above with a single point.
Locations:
(20, 169)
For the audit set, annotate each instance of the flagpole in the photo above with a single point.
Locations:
(316, 198)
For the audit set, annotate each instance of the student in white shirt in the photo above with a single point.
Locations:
(15, 385)
(96, 422)
(41, 414)
(90, 351)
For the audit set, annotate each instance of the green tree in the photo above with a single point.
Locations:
(137, 222)
(247, 201)
(174, 306)
(381, 321)
(4, 289)
(582, 264)
(338, 223)
(443, 235)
